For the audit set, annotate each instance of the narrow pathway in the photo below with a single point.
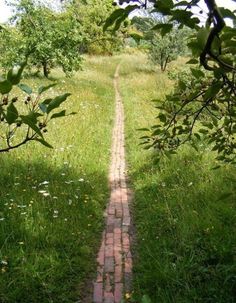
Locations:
(114, 272)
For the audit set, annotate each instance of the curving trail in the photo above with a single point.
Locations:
(114, 272)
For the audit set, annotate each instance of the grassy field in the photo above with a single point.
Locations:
(52, 201)
(185, 234)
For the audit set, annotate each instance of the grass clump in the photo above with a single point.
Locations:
(184, 212)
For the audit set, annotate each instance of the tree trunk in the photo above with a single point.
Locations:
(45, 69)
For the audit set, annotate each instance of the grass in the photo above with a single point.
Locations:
(52, 201)
(185, 247)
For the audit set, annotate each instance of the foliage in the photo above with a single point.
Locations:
(162, 49)
(92, 16)
(202, 106)
(48, 38)
(25, 119)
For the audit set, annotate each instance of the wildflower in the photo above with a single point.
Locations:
(2, 219)
(46, 194)
(190, 184)
(127, 296)
(42, 191)
(81, 180)
(70, 202)
(3, 262)
(44, 183)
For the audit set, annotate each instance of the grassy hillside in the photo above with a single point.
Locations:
(185, 245)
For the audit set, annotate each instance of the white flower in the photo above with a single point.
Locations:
(42, 191)
(4, 262)
(46, 194)
(2, 219)
(44, 183)
(70, 202)
(81, 180)
(56, 211)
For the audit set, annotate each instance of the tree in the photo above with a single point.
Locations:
(162, 48)
(203, 105)
(92, 14)
(49, 38)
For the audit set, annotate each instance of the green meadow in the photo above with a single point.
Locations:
(52, 200)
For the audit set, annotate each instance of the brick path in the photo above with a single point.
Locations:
(114, 259)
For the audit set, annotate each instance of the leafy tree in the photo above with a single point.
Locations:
(203, 104)
(48, 38)
(162, 48)
(92, 14)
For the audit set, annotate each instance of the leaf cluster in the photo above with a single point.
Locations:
(25, 119)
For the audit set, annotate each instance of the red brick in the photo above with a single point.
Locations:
(109, 264)
(109, 250)
(118, 292)
(118, 273)
(108, 297)
(98, 293)
(128, 265)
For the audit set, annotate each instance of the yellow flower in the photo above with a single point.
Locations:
(127, 296)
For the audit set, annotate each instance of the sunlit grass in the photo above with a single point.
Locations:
(185, 244)
(52, 201)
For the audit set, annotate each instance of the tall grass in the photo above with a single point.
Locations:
(52, 201)
(185, 246)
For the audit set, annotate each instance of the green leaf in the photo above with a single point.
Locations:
(227, 13)
(5, 86)
(164, 28)
(12, 113)
(25, 88)
(118, 16)
(113, 17)
(56, 102)
(43, 107)
(58, 115)
(47, 101)
(202, 37)
(162, 118)
(14, 74)
(31, 121)
(164, 6)
(192, 61)
(45, 143)
(197, 73)
(45, 88)
(212, 91)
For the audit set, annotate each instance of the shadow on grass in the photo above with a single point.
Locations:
(186, 243)
(50, 222)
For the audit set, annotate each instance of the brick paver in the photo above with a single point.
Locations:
(114, 271)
